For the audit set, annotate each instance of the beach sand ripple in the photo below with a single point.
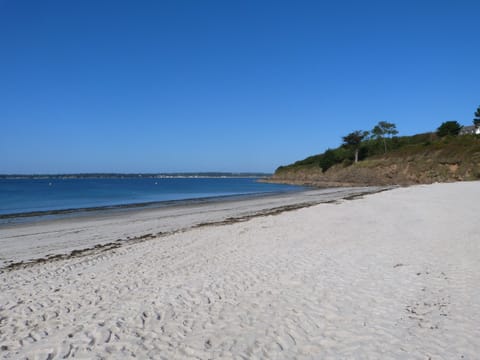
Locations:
(393, 275)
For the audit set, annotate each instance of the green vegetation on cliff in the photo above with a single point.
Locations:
(368, 149)
(422, 158)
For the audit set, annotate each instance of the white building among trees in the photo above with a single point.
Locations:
(470, 130)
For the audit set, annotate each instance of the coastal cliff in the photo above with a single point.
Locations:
(441, 160)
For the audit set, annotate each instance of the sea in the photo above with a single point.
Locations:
(26, 197)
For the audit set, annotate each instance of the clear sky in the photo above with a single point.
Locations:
(167, 86)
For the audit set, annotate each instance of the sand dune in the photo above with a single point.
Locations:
(393, 275)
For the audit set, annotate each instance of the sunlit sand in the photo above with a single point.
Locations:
(388, 275)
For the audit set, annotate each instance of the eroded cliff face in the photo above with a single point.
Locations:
(422, 168)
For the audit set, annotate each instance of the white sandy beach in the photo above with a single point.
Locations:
(34, 240)
(392, 275)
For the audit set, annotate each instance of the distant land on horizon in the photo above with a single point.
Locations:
(136, 175)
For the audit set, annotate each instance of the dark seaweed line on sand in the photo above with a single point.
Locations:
(100, 248)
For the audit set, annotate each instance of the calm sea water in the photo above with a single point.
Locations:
(32, 195)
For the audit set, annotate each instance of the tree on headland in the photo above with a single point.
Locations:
(476, 119)
(449, 128)
(354, 140)
(383, 130)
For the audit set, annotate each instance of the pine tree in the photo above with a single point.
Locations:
(476, 119)
(384, 129)
(354, 140)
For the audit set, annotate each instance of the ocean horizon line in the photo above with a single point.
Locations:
(118, 175)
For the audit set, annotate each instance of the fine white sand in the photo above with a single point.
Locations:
(36, 240)
(391, 275)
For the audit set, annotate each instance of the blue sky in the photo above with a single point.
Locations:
(167, 86)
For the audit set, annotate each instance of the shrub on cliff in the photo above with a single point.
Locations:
(451, 128)
(328, 159)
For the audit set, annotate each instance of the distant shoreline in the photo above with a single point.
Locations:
(207, 175)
